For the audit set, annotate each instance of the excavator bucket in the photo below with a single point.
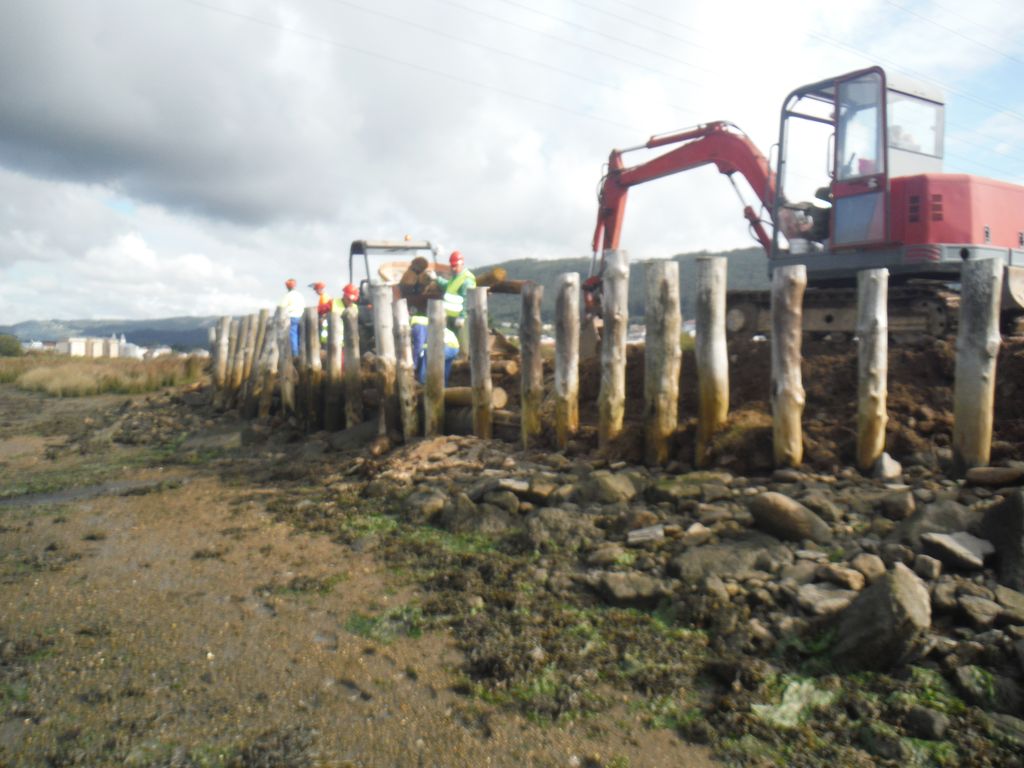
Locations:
(1013, 290)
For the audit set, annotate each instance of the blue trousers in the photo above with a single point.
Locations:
(294, 335)
(421, 364)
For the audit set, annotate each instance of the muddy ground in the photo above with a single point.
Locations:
(178, 588)
(166, 603)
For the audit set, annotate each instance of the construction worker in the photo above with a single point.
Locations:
(451, 351)
(418, 335)
(323, 307)
(294, 305)
(455, 289)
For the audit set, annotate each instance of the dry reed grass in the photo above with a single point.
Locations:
(75, 377)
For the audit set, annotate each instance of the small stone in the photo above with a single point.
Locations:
(824, 599)
(822, 506)
(848, 578)
(899, 505)
(995, 477)
(872, 566)
(944, 596)
(605, 555)
(631, 589)
(1012, 603)
(961, 549)
(788, 475)
(788, 519)
(801, 572)
(982, 612)
(927, 568)
(696, 534)
(887, 468)
(892, 553)
(925, 723)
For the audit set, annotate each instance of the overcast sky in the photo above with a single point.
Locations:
(184, 157)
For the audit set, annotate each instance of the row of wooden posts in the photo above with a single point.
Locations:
(252, 358)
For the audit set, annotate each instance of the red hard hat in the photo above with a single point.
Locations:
(350, 292)
(289, 283)
(318, 286)
(455, 257)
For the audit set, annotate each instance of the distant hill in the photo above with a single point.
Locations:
(747, 271)
(182, 333)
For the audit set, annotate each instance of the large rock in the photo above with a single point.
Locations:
(1003, 525)
(630, 589)
(886, 622)
(466, 517)
(960, 549)
(945, 516)
(731, 557)
(553, 528)
(788, 519)
(605, 487)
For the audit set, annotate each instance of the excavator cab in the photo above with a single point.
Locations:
(855, 132)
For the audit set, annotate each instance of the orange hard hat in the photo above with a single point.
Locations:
(350, 292)
(289, 283)
(455, 258)
(318, 286)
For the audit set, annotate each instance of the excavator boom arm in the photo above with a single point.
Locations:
(721, 144)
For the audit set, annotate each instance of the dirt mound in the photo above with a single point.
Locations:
(920, 402)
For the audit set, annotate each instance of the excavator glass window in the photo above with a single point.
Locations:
(861, 151)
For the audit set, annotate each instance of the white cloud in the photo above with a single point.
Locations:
(186, 161)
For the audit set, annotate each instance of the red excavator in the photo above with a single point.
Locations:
(864, 152)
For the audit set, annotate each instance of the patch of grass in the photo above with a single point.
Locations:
(931, 690)
(406, 621)
(77, 377)
(453, 543)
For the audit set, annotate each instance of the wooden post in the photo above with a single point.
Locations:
(480, 362)
(532, 376)
(384, 334)
(245, 336)
(254, 384)
(315, 381)
(711, 353)
(433, 391)
(286, 366)
(612, 397)
(233, 344)
(787, 389)
(332, 393)
(277, 334)
(351, 368)
(252, 331)
(872, 364)
(262, 324)
(567, 358)
(663, 359)
(977, 346)
(408, 402)
(220, 362)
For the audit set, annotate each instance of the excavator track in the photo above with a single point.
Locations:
(916, 308)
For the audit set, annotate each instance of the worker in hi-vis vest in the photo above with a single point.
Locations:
(454, 299)
(451, 348)
(323, 308)
(294, 305)
(455, 289)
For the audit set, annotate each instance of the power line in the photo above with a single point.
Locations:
(956, 32)
(491, 49)
(562, 41)
(430, 70)
(605, 35)
(637, 24)
(872, 57)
